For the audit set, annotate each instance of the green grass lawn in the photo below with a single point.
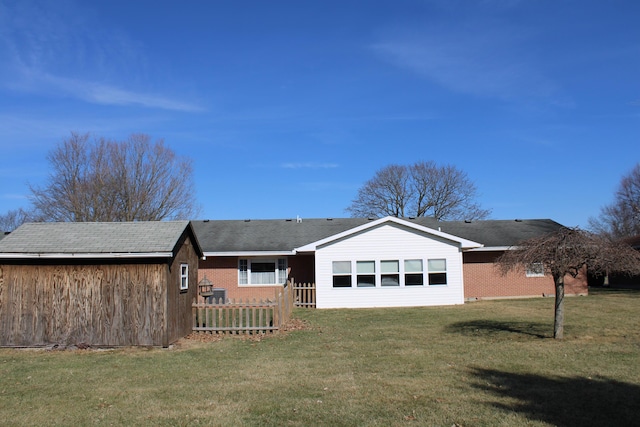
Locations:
(490, 363)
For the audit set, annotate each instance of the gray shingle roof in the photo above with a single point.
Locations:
(285, 235)
(499, 233)
(281, 235)
(94, 237)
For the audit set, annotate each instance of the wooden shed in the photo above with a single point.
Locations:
(100, 284)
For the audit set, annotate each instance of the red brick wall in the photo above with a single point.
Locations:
(223, 273)
(483, 280)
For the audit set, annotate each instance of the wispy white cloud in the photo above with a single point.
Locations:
(14, 196)
(309, 165)
(61, 51)
(485, 59)
(98, 93)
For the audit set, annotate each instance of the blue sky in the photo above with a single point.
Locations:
(288, 107)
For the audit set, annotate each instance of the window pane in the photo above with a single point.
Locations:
(437, 278)
(414, 279)
(184, 276)
(413, 265)
(261, 266)
(366, 280)
(364, 267)
(390, 280)
(341, 281)
(389, 266)
(342, 267)
(243, 278)
(282, 270)
(263, 278)
(535, 270)
(437, 264)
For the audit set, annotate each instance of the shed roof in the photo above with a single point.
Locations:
(105, 239)
(284, 235)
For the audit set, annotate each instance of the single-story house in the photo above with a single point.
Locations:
(362, 262)
(100, 284)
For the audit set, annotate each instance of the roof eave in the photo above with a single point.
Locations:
(116, 255)
(463, 243)
(491, 249)
(249, 253)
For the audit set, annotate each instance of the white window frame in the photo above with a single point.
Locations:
(413, 272)
(435, 271)
(363, 273)
(386, 273)
(184, 277)
(244, 270)
(341, 274)
(535, 270)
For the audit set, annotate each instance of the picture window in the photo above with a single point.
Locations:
(262, 271)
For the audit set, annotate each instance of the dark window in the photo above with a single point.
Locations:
(414, 279)
(342, 281)
(437, 278)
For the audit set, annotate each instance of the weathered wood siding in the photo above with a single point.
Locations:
(178, 309)
(388, 242)
(103, 305)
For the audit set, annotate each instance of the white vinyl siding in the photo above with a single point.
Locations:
(390, 253)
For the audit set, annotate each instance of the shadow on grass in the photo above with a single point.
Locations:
(496, 328)
(628, 291)
(563, 401)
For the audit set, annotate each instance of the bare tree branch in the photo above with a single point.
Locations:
(13, 219)
(101, 180)
(621, 218)
(422, 189)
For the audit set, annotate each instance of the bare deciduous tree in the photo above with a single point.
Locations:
(13, 219)
(421, 189)
(569, 251)
(102, 180)
(622, 218)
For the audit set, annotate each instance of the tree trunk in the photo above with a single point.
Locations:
(558, 320)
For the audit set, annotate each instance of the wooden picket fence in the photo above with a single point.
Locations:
(252, 317)
(304, 294)
(243, 317)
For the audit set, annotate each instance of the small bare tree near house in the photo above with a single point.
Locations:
(102, 180)
(569, 251)
(419, 190)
